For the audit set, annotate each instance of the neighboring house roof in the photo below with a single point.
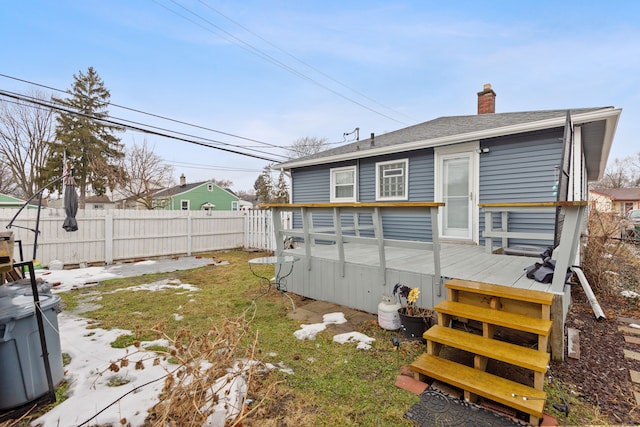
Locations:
(181, 189)
(7, 201)
(10, 201)
(97, 199)
(619, 194)
(598, 128)
(178, 189)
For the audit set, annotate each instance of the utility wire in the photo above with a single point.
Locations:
(53, 105)
(306, 64)
(151, 114)
(210, 167)
(180, 164)
(136, 128)
(252, 49)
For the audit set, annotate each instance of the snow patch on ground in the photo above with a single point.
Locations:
(160, 285)
(309, 332)
(364, 341)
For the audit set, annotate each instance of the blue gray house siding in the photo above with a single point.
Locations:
(311, 185)
(521, 168)
(518, 168)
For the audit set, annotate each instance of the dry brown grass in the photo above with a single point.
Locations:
(610, 262)
(192, 389)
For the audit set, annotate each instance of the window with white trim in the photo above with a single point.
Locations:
(234, 205)
(392, 180)
(184, 205)
(209, 187)
(343, 184)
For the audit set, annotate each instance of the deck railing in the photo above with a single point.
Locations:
(564, 253)
(355, 232)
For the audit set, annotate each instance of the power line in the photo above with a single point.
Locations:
(210, 167)
(152, 114)
(252, 49)
(129, 126)
(306, 64)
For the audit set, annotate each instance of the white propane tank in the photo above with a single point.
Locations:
(388, 317)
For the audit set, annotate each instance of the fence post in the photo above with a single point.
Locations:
(108, 239)
(189, 234)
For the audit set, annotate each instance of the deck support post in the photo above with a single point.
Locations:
(277, 230)
(566, 251)
(306, 218)
(435, 239)
(556, 337)
(337, 226)
(504, 226)
(377, 229)
(488, 225)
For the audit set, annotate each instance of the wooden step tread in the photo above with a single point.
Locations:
(519, 294)
(483, 384)
(513, 354)
(496, 317)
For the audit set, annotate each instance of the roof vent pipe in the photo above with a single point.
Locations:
(373, 137)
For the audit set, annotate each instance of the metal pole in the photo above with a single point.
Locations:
(37, 231)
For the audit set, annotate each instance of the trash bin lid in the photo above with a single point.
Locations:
(16, 303)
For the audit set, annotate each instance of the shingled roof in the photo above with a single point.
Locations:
(455, 129)
(178, 189)
(619, 194)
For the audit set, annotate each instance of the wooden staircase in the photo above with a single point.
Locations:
(494, 307)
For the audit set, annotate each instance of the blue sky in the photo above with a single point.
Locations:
(331, 66)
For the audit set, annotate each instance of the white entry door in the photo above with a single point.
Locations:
(457, 185)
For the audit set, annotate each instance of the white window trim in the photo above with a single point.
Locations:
(406, 180)
(332, 172)
(235, 205)
(210, 186)
(188, 204)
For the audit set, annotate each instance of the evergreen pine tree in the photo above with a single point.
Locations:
(264, 186)
(92, 150)
(281, 191)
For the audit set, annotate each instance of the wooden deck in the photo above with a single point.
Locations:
(460, 261)
(354, 263)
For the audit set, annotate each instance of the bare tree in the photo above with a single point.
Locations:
(222, 183)
(635, 171)
(248, 195)
(25, 133)
(145, 174)
(306, 146)
(620, 174)
(7, 184)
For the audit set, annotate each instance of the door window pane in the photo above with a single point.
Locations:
(456, 195)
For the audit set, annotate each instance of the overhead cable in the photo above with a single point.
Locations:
(306, 64)
(255, 51)
(152, 114)
(131, 127)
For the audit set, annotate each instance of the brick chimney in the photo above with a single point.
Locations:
(183, 180)
(487, 100)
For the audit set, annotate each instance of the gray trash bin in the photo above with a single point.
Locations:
(22, 373)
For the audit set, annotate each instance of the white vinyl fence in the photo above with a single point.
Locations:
(105, 236)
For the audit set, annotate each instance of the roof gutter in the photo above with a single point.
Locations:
(610, 114)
